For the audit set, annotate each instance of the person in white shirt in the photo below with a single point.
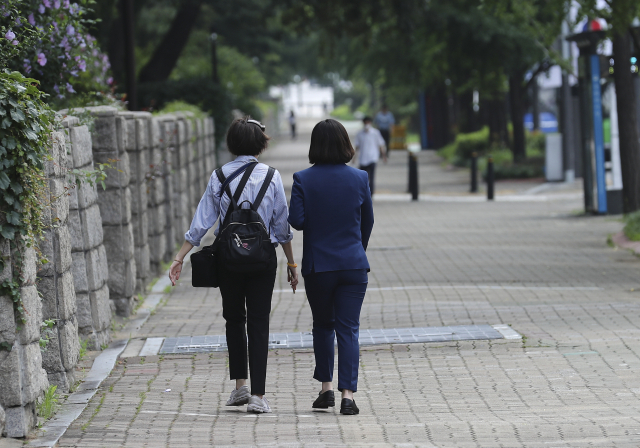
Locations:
(383, 121)
(370, 146)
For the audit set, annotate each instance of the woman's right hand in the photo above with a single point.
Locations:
(175, 271)
(292, 277)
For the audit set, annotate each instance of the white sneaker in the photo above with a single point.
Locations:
(239, 397)
(258, 405)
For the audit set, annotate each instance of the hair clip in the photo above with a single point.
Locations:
(256, 122)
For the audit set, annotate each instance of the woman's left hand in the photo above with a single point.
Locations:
(292, 277)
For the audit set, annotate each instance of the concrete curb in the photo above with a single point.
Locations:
(102, 366)
(621, 240)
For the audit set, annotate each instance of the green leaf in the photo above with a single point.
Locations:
(4, 180)
(13, 218)
(30, 134)
(17, 115)
(15, 186)
(7, 231)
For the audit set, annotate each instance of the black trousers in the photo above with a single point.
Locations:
(370, 169)
(386, 136)
(246, 299)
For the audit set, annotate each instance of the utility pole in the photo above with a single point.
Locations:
(568, 131)
(130, 53)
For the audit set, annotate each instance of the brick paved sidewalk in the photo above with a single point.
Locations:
(572, 382)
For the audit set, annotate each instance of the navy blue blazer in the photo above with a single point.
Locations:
(331, 204)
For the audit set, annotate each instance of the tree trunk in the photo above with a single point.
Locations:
(627, 131)
(495, 116)
(516, 92)
(167, 53)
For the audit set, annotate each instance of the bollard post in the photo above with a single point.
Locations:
(413, 176)
(490, 179)
(474, 172)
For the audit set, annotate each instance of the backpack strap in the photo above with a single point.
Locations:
(263, 189)
(242, 184)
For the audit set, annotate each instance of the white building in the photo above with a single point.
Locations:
(305, 99)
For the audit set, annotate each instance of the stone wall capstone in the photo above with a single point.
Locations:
(88, 254)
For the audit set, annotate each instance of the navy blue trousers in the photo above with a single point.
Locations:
(336, 300)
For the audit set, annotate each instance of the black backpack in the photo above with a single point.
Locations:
(243, 243)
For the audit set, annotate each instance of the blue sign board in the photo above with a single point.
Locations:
(598, 134)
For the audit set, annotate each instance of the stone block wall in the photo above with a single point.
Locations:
(96, 242)
(137, 144)
(55, 279)
(22, 378)
(109, 142)
(88, 254)
(157, 194)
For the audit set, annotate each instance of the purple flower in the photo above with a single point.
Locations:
(74, 9)
(82, 65)
(46, 3)
(27, 66)
(41, 9)
(74, 73)
(70, 88)
(71, 31)
(56, 88)
(32, 19)
(56, 4)
(109, 80)
(18, 22)
(42, 59)
(10, 35)
(15, 42)
(65, 4)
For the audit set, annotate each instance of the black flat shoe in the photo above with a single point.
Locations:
(325, 400)
(348, 407)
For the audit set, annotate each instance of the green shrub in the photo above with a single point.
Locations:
(342, 112)
(181, 106)
(535, 142)
(632, 226)
(467, 144)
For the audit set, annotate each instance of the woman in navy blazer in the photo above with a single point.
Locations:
(331, 204)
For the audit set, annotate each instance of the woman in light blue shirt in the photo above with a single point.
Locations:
(246, 298)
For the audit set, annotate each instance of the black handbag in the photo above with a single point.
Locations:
(204, 269)
(204, 266)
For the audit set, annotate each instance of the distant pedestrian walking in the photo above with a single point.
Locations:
(371, 147)
(331, 204)
(246, 289)
(292, 124)
(383, 121)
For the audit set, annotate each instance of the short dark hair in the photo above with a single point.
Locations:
(246, 139)
(330, 143)
(367, 118)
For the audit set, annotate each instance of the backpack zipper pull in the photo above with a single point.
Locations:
(238, 240)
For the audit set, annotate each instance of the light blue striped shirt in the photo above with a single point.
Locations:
(273, 208)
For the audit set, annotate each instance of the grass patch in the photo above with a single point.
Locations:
(83, 349)
(48, 405)
(342, 112)
(632, 226)
(167, 289)
(95, 412)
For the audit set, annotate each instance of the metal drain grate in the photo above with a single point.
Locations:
(216, 343)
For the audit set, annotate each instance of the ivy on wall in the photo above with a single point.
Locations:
(25, 132)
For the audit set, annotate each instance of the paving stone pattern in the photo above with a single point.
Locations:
(571, 382)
